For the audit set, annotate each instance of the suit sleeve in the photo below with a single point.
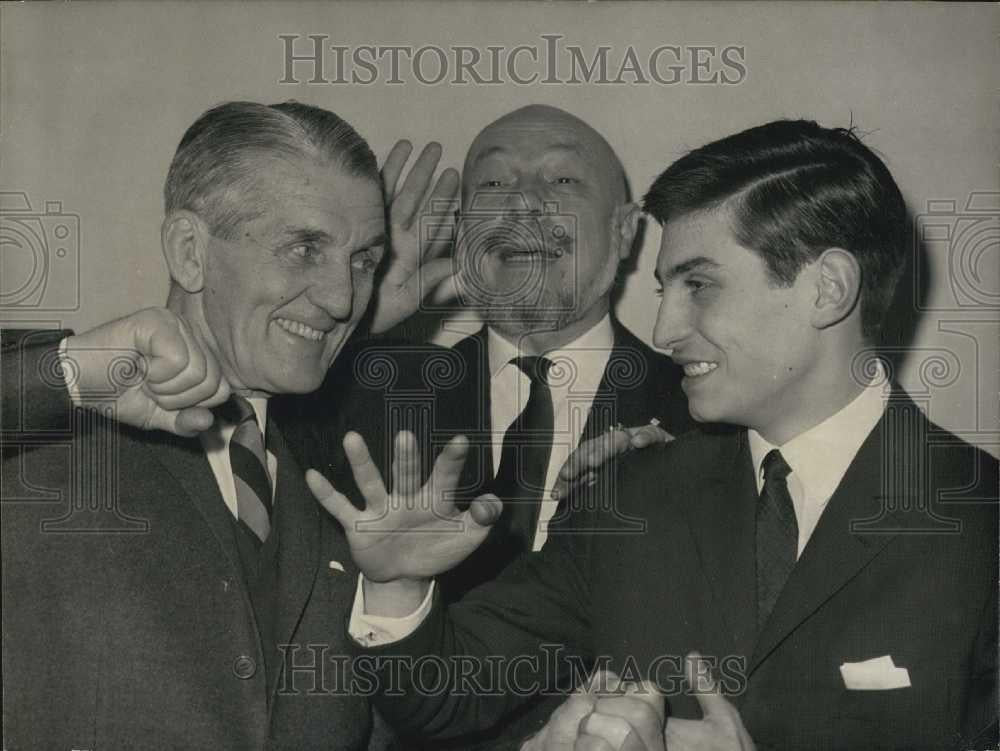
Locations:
(471, 664)
(35, 402)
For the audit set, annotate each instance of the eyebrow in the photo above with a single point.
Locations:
(304, 235)
(568, 146)
(698, 263)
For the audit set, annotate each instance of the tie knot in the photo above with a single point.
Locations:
(775, 467)
(237, 410)
(536, 368)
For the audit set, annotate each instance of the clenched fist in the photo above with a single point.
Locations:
(156, 369)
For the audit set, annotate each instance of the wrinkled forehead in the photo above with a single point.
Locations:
(536, 140)
(300, 192)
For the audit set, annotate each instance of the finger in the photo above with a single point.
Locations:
(193, 420)
(221, 395)
(485, 510)
(189, 376)
(446, 291)
(649, 435)
(593, 454)
(448, 466)
(642, 718)
(366, 474)
(683, 733)
(411, 195)
(332, 500)
(443, 232)
(613, 729)
(406, 464)
(432, 273)
(393, 166)
(602, 682)
(586, 742)
(165, 347)
(704, 687)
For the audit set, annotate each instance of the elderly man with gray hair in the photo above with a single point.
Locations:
(157, 585)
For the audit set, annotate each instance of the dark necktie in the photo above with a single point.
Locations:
(249, 464)
(524, 459)
(777, 535)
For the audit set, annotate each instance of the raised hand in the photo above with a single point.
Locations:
(721, 727)
(408, 531)
(581, 466)
(156, 369)
(415, 265)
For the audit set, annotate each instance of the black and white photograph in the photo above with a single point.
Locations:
(508, 376)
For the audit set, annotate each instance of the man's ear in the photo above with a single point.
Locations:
(185, 237)
(624, 224)
(838, 287)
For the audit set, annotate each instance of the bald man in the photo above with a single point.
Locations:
(545, 228)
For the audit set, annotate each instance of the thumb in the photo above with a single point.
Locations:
(703, 685)
(648, 692)
(485, 510)
(193, 420)
(332, 500)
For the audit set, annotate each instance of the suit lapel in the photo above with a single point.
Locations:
(477, 427)
(722, 522)
(185, 460)
(838, 549)
(617, 398)
(298, 524)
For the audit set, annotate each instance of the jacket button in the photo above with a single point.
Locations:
(244, 667)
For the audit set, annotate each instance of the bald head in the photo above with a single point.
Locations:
(551, 270)
(537, 128)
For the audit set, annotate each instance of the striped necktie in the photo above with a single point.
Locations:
(249, 464)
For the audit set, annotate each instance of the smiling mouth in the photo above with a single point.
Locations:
(698, 369)
(299, 329)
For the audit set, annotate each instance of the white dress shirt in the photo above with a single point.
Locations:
(576, 374)
(820, 456)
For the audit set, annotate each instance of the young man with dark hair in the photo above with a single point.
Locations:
(834, 564)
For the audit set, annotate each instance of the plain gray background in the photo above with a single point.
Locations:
(94, 98)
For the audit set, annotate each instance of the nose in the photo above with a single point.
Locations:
(332, 289)
(672, 321)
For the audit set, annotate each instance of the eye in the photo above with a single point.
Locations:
(697, 285)
(491, 184)
(366, 261)
(565, 181)
(659, 291)
(303, 251)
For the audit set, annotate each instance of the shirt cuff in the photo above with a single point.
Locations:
(68, 368)
(378, 630)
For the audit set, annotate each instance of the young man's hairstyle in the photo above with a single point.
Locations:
(221, 157)
(794, 189)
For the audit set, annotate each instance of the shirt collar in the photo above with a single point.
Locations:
(598, 339)
(820, 456)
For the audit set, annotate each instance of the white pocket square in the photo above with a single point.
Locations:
(877, 674)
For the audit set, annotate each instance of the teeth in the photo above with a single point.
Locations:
(300, 329)
(693, 369)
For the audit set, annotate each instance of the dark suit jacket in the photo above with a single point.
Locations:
(127, 622)
(902, 563)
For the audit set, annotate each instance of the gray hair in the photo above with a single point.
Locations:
(217, 162)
